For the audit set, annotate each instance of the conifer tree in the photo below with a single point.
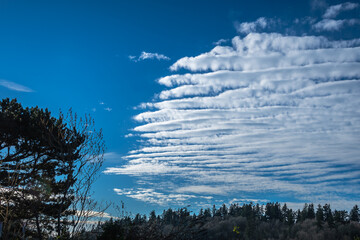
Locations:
(328, 216)
(39, 159)
(354, 214)
(319, 216)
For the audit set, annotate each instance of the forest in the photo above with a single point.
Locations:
(48, 165)
(247, 221)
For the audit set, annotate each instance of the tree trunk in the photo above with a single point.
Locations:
(58, 225)
(38, 228)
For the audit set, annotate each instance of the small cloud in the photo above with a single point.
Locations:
(248, 27)
(147, 55)
(334, 10)
(129, 135)
(14, 86)
(221, 41)
(305, 20)
(133, 58)
(93, 109)
(108, 109)
(334, 25)
(329, 25)
(318, 4)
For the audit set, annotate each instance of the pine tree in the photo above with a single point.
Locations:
(319, 216)
(354, 214)
(39, 161)
(207, 213)
(152, 217)
(328, 215)
(311, 211)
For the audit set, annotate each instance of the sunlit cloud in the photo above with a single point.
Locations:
(268, 113)
(148, 55)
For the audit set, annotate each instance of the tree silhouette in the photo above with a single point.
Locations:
(41, 157)
(354, 214)
(245, 221)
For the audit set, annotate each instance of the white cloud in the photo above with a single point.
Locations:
(334, 25)
(272, 113)
(151, 196)
(108, 109)
(148, 55)
(94, 214)
(151, 167)
(334, 10)
(259, 51)
(246, 201)
(14, 86)
(202, 189)
(248, 27)
(220, 41)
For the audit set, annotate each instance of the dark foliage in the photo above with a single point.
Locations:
(40, 160)
(249, 221)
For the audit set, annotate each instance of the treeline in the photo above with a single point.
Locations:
(247, 221)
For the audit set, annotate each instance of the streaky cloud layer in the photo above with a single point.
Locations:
(270, 114)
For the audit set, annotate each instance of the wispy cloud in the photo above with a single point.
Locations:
(318, 4)
(203, 189)
(330, 24)
(334, 25)
(245, 200)
(14, 86)
(335, 10)
(270, 113)
(112, 155)
(94, 214)
(103, 106)
(132, 58)
(151, 196)
(221, 41)
(148, 55)
(248, 27)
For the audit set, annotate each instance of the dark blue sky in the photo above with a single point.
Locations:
(75, 54)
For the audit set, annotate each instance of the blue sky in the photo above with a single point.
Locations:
(201, 103)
